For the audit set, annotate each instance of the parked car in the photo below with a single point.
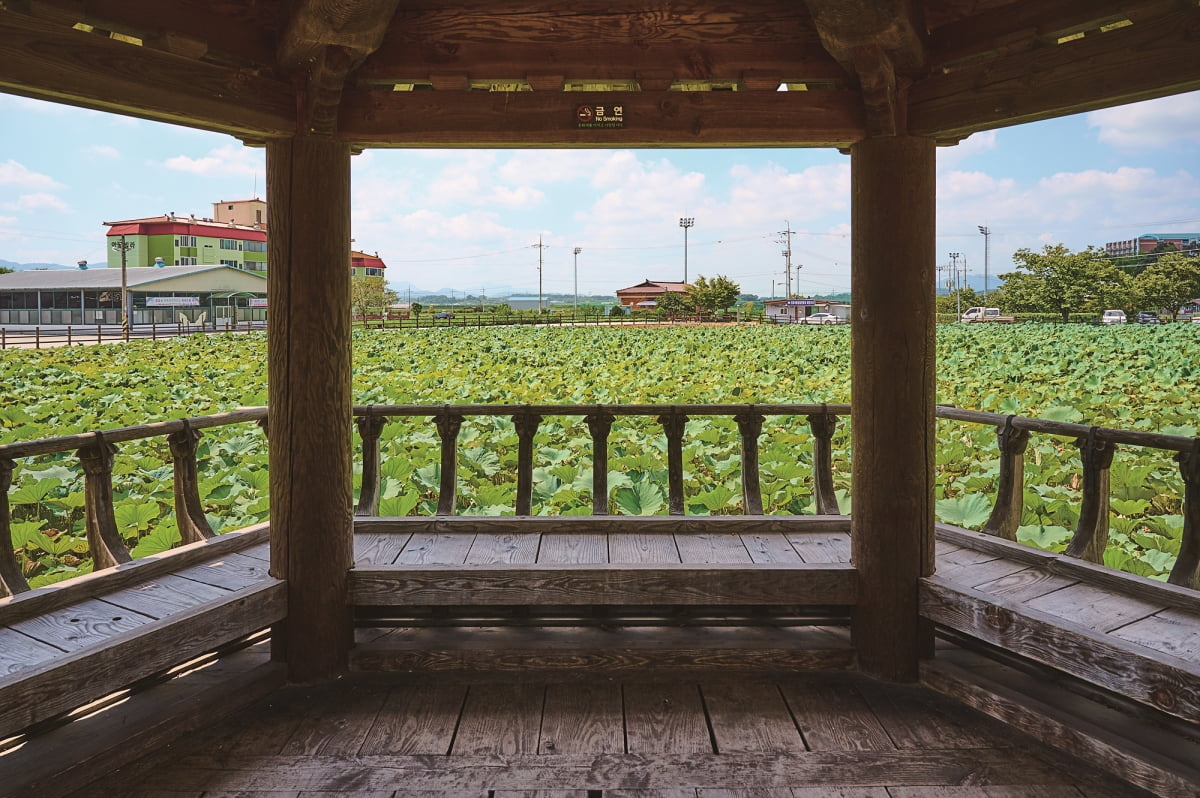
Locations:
(985, 314)
(443, 315)
(821, 318)
(1113, 317)
(1146, 317)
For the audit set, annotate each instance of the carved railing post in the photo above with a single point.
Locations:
(823, 425)
(527, 426)
(1186, 571)
(369, 428)
(448, 424)
(1091, 534)
(1010, 492)
(750, 427)
(12, 581)
(108, 549)
(189, 512)
(600, 425)
(673, 423)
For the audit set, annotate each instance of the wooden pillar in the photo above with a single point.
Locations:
(311, 423)
(892, 417)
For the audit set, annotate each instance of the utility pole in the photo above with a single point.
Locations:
(685, 222)
(787, 256)
(577, 250)
(987, 233)
(958, 291)
(123, 247)
(540, 246)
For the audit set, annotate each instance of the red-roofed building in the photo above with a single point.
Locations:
(364, 265)
(644, 295)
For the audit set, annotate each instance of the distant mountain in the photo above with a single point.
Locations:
(18, 267)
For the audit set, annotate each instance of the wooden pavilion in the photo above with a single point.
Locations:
(315, 81)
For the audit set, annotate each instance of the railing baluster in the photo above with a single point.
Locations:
(750, 427)
(369, 429)
(448, 424)
(673, 423)
(108, 549)
(12, 581)
(600, 425)
(823, 425)
(527, 426)
(1091, 533)
(189, 512)
(1010, 490)
(1186, 570)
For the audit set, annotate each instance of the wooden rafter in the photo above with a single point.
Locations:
(1142, 61)
(49, 61)
(651, 119)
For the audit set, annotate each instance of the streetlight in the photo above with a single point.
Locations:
(685, 222)
(577, 251)
(958, 291)
(123, 247)
(986, 232)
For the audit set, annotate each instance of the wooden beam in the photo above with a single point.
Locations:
(308, 369)
(892, 356)
(629, 584)
(582, 524)
(891, 25)
(1139, 62)
(49, 62)
(650, 119)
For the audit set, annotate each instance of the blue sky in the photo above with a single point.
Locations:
(468, 219)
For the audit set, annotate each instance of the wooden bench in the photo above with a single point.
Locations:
(66, 645)
(1133, 636)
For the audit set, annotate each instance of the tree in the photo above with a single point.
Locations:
(1057, 280)
(5, 270)
(1169, 283)
(416, 308)
(716, 294)
(367, 293)
(618, 310)
(674, 303)
(951, 303)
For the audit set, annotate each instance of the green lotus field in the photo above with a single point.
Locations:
(1135, 377)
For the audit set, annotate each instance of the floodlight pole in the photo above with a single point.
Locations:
(540, 246)
(987, 233)
(577, 250)
(123, 247)
(685, 222)
(958, 290)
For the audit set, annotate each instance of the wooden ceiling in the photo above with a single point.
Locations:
(534, 73)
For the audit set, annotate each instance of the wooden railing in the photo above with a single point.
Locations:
(45, 336)
(95, 453)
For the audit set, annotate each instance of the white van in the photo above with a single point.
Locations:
(1113, 317)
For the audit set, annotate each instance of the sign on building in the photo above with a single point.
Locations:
(172, 301)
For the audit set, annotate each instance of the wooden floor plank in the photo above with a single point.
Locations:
(840, 792)
(346, 718)
(833, 716)
(269, 727)
(514, 549)
(779, 792)
(540, 793)
(750, 716)
(82, 624)
(976, 573)
(500, 719)
(165, 596)
(560, 548)
(769, 547)
(914, 719)
(680, 793)
(665, 717)
(633, 547)
(1094, 607)
(1026, 584)
(232, 572)
(416, 720)
(821, 547)
(714, 547)
(963, 791)
(1171, 631)
(583, 718)
(447, 548)
(378, 548)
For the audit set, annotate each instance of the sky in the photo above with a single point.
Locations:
(470, 220)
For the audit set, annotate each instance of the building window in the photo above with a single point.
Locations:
(232, 263)
(185, 241)
(230, 243)
(374, 272)
(256, 246)
(185, 261)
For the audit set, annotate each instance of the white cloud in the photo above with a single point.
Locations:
(104, 151)
(230, 160)
(528, 167)
(976, 144)
(1154, 124)
(13, 173)
(8, 227)
(38, 202)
